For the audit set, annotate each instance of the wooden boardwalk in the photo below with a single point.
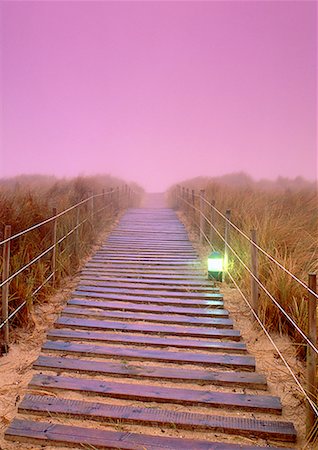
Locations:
(145, 356)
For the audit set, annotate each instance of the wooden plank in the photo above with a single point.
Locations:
(44, 433)
(127, 306)
(145, 251)
(159, 286)
(145, 292)
(148, 267)
(159, 394)
(249, 380)
(100, 276)
(155, 300)
(144, 262)
(266, 429)
(143, 274)
(143, 277)
(129, 256)
(246, 363)
(146, 340)
(87, 324)
(147, 317)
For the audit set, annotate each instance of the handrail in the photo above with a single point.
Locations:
(304, 285)
(311, 403)
(287, 316)
(261, 249)
(118, 194)
(50, 219)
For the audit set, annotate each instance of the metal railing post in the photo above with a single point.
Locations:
(54, 239)
(254, 270)
(5, 287)
(311, 417)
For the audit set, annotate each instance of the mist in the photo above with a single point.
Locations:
(158, 92)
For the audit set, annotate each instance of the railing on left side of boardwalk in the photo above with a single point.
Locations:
(65, 238)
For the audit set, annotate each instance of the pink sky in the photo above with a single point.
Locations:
(157, 92)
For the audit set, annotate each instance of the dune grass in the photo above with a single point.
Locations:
(285, 216)
(27, 200)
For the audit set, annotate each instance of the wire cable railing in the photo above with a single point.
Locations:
(198, 218)
(261, 249)
(116, 201)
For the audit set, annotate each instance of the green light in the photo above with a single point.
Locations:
(215, 265)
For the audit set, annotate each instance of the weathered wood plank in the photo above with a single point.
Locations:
(127, 306)
(187, 270)
(147, 317)
(155, 300)
(249, 380)
(142, 275)
(266, 429)
(177, 287)
(176, 282)
(146, 340)
(88, 324)
(240, 362)
(145, 292)
(246, 402)
(52, 433)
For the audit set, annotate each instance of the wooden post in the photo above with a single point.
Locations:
(178, 193)
(254, 269)
(188, 201)
(126, 196)
(112, 208)
(193, 206)
(312, 359)
(212, 232)
(202, 219)
(92, 208)
(54, 239)
(227, 241)
(5, 287)
(117, 198)
(77, 232)
(183, 198)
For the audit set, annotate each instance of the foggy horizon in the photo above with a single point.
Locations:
(159, 92)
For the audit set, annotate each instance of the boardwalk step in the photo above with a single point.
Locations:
(126, 306)
(153, 262)
(196, 271)
(46, 406)
(232, 361)
(88, 324)
(145, 292)
(152, 282)
(216, 303)
(143, 276)
(146, 340)
(250, 380)
(161, 318)
(52, 433)
(153, 287)
(137, 267)
(149, 393)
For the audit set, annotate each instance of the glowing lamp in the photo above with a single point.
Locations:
(215, 266)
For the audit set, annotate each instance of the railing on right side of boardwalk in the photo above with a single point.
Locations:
(202, 215)
(68, 228)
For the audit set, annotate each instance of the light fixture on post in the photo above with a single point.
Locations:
(215, 266)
